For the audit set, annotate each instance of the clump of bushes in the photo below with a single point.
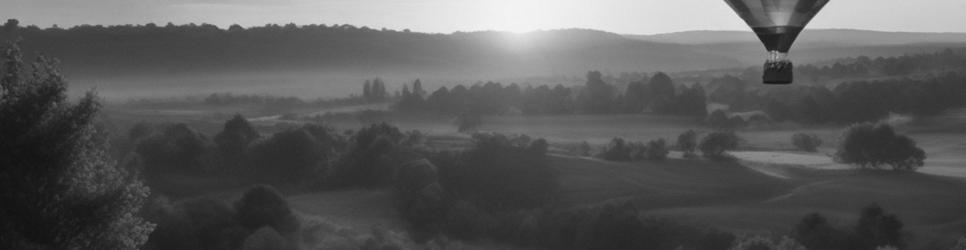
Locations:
(260, 218)
(874, 229)
(806, 142)
(656, 150)
(176, 148)
(871, 146)
(715, 144)
(620, 150)
(762, 243)
(368, 160)
(688, 143)
(500, 172)
(295, 154)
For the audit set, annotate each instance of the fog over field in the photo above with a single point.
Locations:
(572, 130)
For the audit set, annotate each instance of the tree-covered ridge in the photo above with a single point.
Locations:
(206, 47)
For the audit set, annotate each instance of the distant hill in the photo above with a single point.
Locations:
(202, 48)
(814, 46)
(811, 37)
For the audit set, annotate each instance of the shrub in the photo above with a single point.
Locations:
(762, 243)
(263, 206)
(806, 142)
(498, 173)
(295, 154)
(237, 134)
(177, 148)
(366, 161)
(872, 145)
(656, 150)
(688, 142)
(266, 238)
(715, 145)
(875, 228)
(194, 224)
(814, 232)
(467, 122)
(616, 150)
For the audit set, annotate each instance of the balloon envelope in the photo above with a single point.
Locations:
(777, 22)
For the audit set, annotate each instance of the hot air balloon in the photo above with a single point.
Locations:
(777, 23)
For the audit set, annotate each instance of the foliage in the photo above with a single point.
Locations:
(688, 142)
(59, 187)
(233, 141)
(873, 145)
(715, 144)
(616, 150)
(202, 223)
(368, 159)
(177, 148)
(656, 150)
(762, 243)
(266, 238)
(262, 206)
(806, 142)
(468, 122)
(295, 154)
(498, 173)
(873, 230)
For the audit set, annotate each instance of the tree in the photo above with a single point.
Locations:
(715, 144)
(234, 139)
(806, 142)
(656, 150)
(873, 145)
(875, 228)
(468, 122)
(60, 188)
(688, 142)
(263, 206)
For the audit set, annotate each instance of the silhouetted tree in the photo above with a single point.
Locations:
(872, 145)
(59, 187)
(875, 229)
(715, 144)
(688, 142)
(234, 139)
(806, 142)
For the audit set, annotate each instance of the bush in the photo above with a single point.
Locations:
(266, 238)
(806, 142)
(715, 145)
(194, 224)
(467, 122)
(873, 230)
(498, 173)
(295, 154)
(814, 232)
(263, 206)
(688, 143)
(656, 150)
(234, 139)
(762, 243)
(177, 148)
(367, 160)
(876, 228)
(616, 150)
(873, 145)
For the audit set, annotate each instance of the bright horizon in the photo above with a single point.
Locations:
(447, 16)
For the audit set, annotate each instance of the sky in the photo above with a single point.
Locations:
(445, 16)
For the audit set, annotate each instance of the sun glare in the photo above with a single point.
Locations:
(519, 15)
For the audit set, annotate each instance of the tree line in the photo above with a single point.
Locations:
(657, 94)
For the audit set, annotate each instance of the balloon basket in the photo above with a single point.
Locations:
(778, 72)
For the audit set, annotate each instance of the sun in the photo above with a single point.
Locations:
(519, 15)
